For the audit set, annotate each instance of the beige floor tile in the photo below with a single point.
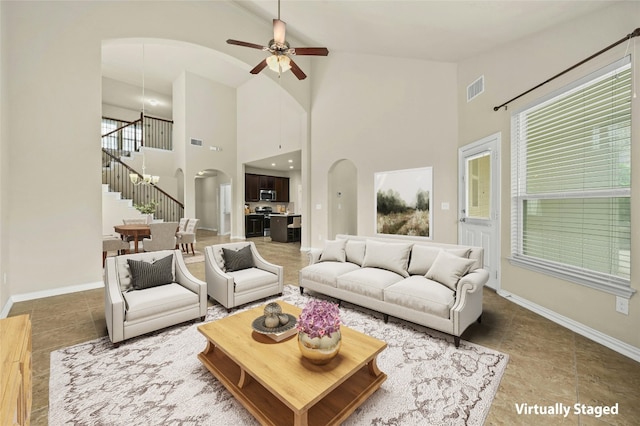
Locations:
(548, 363)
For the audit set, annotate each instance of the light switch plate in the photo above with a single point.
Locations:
(445, 206)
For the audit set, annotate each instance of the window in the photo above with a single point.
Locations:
(571, 187)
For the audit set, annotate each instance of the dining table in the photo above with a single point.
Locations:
(136, 231)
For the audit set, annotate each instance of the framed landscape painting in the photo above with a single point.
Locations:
(403, 202)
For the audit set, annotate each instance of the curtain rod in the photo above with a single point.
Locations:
(635, 33)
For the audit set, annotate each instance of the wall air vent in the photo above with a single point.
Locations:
(475, 89)
(196, 142)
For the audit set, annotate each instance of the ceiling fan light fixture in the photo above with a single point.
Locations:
(279, 63)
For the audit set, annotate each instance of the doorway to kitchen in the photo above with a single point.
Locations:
(343, 198)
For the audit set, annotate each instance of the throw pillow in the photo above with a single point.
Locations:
(334, 251)
(393, 257)
(422, 257)
(355, 251)
(237, 260)
(448, 268)
(148, 274)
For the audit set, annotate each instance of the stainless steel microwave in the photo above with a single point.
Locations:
(267, 195)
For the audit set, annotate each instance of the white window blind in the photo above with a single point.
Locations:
(571, 188)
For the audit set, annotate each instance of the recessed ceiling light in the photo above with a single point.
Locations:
(291, 161)
(153, 102)
(291, 167)
(273, 164)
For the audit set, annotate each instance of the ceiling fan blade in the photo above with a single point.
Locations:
(246, 44)
(295, 69)
(259, 67)
(315, 51)
(279, 30)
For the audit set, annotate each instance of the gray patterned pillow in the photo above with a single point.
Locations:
(237, 260)
(147, 275)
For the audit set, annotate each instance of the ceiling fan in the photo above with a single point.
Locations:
(280, 59)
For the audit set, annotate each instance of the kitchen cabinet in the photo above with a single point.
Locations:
(251, 187)
(254, 183)
(279, 227)
(254, 225)
(267, 182)
(281, 185)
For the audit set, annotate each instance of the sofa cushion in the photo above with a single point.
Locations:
(157, 300)
(252, 278)
(334, 251)
(448, 268)
(369, 282)
(421, 294)
(237, 260)
(151, 274)
(355, 251)
(393, 257)
(326, 272)
(422, 257)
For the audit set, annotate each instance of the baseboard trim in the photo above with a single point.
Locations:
(588, 332)
(48, 293)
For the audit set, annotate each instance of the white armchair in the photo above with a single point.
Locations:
(138, 301)
(236, 274)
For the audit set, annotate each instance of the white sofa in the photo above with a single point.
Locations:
(435, 285)
(131, 312)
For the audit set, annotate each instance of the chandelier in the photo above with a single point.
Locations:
(135, 177)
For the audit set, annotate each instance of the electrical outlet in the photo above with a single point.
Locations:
(622, 305)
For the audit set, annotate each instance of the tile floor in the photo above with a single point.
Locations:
(548, 363)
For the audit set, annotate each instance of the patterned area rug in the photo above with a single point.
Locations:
(157, 379)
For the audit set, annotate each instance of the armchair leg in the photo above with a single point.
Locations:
(456, 341)
(479, 319)
(301, 290)
(116, 345)
(386, 318)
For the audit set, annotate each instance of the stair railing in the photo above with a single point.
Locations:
(116, 175)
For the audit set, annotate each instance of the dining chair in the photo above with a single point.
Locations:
(188, 236)
(163, 236)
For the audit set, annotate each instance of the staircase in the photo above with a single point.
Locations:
(115, 208)
(117, 189)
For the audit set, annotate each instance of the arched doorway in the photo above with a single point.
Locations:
(343, 198)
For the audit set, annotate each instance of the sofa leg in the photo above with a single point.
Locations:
(479, 319)
(202, 318)
(116, 345)
(456, 341)
(386, 318)
(301, 290)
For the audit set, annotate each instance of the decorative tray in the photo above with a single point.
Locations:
(259, 327)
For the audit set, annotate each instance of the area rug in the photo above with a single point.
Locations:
(157, 379)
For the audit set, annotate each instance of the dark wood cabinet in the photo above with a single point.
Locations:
(254, 225)
(267, 182)
(282, 189)
(254, 183)
(251, 187)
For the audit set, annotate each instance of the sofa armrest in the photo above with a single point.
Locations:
(114, 306)
(185, 278)
(468, 304)
(314, 255)
(220, 285)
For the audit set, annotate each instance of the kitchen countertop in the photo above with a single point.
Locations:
(284, 214)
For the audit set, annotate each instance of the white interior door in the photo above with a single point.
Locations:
(225, 209)
(479, 193)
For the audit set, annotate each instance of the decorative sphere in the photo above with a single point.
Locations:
(272, 308)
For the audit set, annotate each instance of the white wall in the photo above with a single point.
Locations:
(51, 52)
(382, 119)
(514, 69)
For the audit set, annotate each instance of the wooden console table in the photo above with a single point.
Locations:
(15, 364)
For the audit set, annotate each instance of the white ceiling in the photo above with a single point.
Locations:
(444, 31)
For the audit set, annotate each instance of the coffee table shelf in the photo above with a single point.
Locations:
(279, 387)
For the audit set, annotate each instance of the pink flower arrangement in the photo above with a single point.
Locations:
(319, 318)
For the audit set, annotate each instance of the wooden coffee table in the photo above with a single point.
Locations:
(277, 385)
